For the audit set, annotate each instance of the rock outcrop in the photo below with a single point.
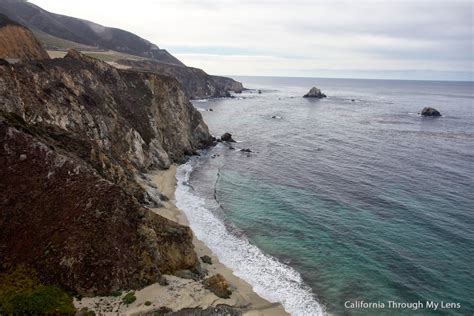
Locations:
(228, 84)
(17, 42)
(75, 134)
(227, 137)
(218, 285)
(428, 111)
(314, 93)
(196, 82)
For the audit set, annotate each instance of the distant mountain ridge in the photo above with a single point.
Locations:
(83, 31)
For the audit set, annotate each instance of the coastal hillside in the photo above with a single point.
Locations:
(77, 134)
(17, 42)
(196, 82)
(82, 31)
(58, 33)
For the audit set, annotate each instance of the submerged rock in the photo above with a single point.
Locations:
(428, 111)
(218, 285)
(314, 93)
(246, 150)
(227, 137)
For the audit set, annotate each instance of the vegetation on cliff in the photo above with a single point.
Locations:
(21, 292)
(76, 134)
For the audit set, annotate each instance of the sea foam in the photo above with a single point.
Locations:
(269, 278)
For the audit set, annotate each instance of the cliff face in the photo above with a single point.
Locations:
(17, 42)
(82, 31)
(75, 133)
(196, 83)
(228, 84)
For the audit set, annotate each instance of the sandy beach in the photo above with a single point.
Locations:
(183, 293)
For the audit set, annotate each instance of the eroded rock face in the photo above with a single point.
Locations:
(119, 121)
(196, 83)
(228, 84)
(78, 230)
(17, 42)
(75, 133)
(428, 111)
(314, 93)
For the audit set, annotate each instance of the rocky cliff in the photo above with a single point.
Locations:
(75, 135)
(17, 42)
(228, 84)
(196, 82)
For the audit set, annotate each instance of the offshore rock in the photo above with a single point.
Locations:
(227, 137)
(314, 93)
(428, 111)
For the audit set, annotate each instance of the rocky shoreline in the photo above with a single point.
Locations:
(185, 296)
(80, 142)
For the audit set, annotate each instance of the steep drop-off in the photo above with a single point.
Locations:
(17, 42)
(75, 134)
(196, 82)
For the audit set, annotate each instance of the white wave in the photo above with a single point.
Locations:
(269, 278)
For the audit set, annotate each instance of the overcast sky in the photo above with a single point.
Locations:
(417, 39)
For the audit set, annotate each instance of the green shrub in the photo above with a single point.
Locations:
(21, 292)
(129, 298)
(147, 303)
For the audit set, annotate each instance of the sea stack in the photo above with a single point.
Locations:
(314, 93)
(428, 111)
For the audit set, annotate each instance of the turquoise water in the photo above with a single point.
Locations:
(356, 194)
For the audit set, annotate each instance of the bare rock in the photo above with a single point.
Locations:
(314, 93)
(218, 285)
(87, 129)
(206, 259)
(227, 137)
(428, 111)
(18, 42)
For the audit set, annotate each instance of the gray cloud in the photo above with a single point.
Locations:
(272, 37)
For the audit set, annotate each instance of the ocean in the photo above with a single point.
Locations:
(345, 199)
